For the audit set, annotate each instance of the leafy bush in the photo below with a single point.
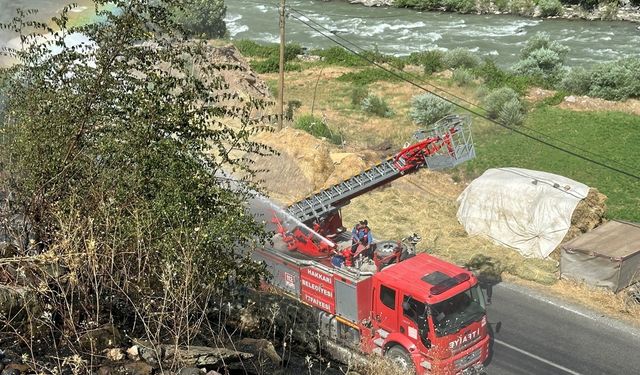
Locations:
(461, 58)
(419, 4)
(543, 64)
(460, 6)
(316, 127)
(377, 106)
(576, 81)
(358, 93)
(589, 4)
(203, 17)
(542, 40)
(502, 5)
(550, 8)
(522, 7)
(432, 61)
(542, 58)
(494, 77)
(340, 56)
(272, 65)
(462, 77)
(428, 108)
(496, 100)
(511, 113)
(252, 49)
(617, 80)
(609, 10)
(368, 76)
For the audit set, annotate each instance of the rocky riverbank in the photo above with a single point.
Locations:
(624, 11)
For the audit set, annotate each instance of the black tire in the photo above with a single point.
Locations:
(401, 359)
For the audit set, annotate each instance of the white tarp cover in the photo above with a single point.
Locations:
(520, 208)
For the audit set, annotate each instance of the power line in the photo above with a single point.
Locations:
(465, 100)
(517, 131)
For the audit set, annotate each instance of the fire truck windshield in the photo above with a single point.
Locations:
(458, 311)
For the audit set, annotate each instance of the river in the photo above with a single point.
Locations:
(397, 31)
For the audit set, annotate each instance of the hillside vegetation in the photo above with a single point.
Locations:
(335, 87)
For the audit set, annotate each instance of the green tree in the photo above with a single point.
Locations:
(116, 151)
(203, 17)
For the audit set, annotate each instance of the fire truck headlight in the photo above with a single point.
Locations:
(426, 365)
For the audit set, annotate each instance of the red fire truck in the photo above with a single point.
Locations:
(425, 314)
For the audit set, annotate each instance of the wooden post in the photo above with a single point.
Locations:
(281, 83)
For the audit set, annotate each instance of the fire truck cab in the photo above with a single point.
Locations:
(429, 315)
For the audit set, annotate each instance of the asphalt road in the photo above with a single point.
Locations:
(542, 335)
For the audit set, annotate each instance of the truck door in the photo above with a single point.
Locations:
(386, 314)
(413, 321)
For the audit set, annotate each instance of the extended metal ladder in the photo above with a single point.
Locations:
(455, 128)
(338, 195)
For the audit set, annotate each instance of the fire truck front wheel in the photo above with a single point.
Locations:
(401, 358)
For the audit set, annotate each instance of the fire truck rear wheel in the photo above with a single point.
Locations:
(401, 358)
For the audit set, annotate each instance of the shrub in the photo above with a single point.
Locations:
(522, 7)
(617, 80)
(461, 58)
(542, 58)
(511, 113)
(550, 8)
(502, 5)
(340, 56)
(428, 108)
(368, 76)
(496, 99)
(316, 127)
(377, 106)
(462, 77)
(494, 77)
(542, 40)
(272, 65)
(419, 4)
(589, 4)
(252, 49)
(609, 10)
(576, 81)
(203, 17)
(543, 64)
(460, 6)
(358, 93)
(432, 61)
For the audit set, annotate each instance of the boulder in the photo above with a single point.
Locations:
(204, 356)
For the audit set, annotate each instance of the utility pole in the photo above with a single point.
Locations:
(281, 88)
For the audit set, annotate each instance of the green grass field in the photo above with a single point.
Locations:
(612, 137)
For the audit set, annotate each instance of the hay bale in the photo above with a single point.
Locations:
(589, 213)
(345, 166)
(303, 166)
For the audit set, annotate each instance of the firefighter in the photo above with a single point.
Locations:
(361, 234)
